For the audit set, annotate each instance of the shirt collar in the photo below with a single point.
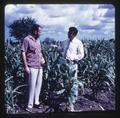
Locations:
(31, 37)
(73, 40)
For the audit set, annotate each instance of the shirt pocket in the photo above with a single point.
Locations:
(32, 49)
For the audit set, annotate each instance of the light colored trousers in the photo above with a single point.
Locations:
(34, 83)
(73, 80)
(72, 77)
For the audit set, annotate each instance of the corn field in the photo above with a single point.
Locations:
(96, 73)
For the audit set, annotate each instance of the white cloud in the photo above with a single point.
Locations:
(88, 31)
(98, 13)
(109, 26)
(64, 15)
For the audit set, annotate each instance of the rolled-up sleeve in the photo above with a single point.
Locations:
(24, 46)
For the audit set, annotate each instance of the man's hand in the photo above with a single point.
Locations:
(54, 46)
(58, 47)
(27, 70)
(42, 60)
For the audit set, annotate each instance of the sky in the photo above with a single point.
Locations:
(93, 21)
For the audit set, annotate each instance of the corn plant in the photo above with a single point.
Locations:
(98, 66)
(96, 71)
(13, 70)
(55, 73)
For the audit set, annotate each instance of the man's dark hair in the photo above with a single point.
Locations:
(73, 29)
(35, 27)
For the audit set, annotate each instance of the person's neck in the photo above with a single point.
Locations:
(71, 39)
(34, 36)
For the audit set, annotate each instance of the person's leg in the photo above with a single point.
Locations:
(74, 89)
(32, 82)
(38, 86)
(74, 85)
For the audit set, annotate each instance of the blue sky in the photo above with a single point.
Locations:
(92, 20)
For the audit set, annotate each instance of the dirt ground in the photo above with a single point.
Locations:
(105, 102)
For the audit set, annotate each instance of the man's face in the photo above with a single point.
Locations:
(37, 33)
(71, 35)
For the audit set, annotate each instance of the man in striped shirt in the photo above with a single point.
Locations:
(33, 60)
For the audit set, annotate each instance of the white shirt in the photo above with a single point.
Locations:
(75, 50)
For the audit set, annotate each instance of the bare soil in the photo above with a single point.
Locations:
(105, 101)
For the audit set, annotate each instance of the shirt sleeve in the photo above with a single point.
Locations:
(24, 46)
(80, 52)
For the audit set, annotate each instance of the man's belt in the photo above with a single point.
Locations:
(71, 61)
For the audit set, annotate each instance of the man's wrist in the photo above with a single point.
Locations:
(25, 66)
(76, 61)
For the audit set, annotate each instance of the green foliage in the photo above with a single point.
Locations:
(13, 71)
(98, 66)
(96, 71)
(21, 27)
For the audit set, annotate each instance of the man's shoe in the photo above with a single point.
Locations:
(37, 106)
(73, 110)
(29, 110)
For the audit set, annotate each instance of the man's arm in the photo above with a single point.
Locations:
(25, 62)
(24, 49)
(59, 47)
(42, 59)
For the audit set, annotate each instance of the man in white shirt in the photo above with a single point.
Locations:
(73, 51)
